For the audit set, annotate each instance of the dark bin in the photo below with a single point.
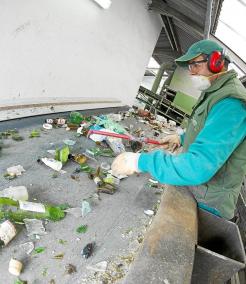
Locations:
(219, 253)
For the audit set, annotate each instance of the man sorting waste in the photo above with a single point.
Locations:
(213, 160)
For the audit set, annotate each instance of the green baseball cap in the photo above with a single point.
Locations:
(204, 46)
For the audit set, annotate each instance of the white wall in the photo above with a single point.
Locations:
(73, 49)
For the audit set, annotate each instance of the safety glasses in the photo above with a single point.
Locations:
(194, 64)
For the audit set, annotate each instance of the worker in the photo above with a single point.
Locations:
(212, 164)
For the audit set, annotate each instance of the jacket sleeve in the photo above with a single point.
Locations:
(224, 130)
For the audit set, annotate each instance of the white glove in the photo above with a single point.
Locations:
(125, 164)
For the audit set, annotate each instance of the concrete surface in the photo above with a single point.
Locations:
(117, 223)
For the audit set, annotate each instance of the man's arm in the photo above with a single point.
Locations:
(224, 130)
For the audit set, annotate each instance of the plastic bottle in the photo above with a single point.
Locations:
(29, 210)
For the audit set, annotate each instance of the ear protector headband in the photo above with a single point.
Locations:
(216, 61)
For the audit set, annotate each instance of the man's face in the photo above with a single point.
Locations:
(198, 66)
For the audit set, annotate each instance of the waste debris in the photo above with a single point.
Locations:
(34, 134)
(27, 247)
(47, 126)
(108, 123)
(98, 267)
(15, 266)
(62, 154)
(85, 208)
(34, 227)
(57, 122)
(75, 177)
(104, 183)
(90, 160)
(69, 142)
(96, 177)
(106, 188)
(13, 133)
(17, 137)
(15, 170)
(7, 232)
(52, 163)
(116, 145)
(88, 250)
(38, 250)
(78, 158)
(105, 166)
(86, 168)
(70, 269)
(82, 229)
(59, 256)
(29, 210)
(15, 192)
(96, 151)
(149, 212)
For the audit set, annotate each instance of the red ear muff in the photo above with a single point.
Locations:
(216, 61)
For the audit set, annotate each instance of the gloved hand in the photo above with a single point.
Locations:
(125, 164)
(173, 141)
(170, 142)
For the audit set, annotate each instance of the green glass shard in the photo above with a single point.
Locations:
(86, 168)
(82, 229)
(34, 133)
(62, 154)
(39, 250)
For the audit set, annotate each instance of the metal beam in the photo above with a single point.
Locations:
(186, 28)
(175, 38)
(215, 15)
(196, 8)
(166, 52)
(207, 26)
(164, 9)
(164, 21)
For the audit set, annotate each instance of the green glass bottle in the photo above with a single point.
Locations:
(29, 210)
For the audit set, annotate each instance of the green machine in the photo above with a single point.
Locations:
(184, 102)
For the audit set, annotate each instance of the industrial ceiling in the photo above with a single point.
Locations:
(184, 22)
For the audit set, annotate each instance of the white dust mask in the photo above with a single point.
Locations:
(200, 82)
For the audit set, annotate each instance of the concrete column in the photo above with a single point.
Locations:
(158, 78)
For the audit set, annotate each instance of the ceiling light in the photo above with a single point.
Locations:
(105, 4)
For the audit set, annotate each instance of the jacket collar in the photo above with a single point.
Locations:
(219, 82)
